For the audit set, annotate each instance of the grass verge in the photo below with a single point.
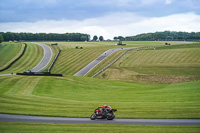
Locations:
(9, 52)
(78, 97)
(10, 127)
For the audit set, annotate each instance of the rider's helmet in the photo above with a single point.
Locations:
(105, 106)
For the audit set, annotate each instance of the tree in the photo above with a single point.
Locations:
(101, 38)
(115, 38)
(95, 38)
(1, 38)
(83, 38)
(121, 38)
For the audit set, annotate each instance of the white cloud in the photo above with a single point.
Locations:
(125, 24)
(168, 2)
(118, 3)
(150, 2)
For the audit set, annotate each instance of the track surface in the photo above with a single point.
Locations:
(38, 119)
(6, 74)
(90, 66)
(45, 60)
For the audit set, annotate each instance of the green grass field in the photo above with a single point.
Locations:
(8, 52)
(133, 88)
(78, 97)
(165, 61)
(91, 128)
(33, 55)
(178, 62)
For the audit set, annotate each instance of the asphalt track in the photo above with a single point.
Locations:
(90, 66)
(39, 119)
(45, 60)
(6, 74)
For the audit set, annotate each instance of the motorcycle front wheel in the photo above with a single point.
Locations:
(93, 116)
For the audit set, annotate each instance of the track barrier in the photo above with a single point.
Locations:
(54, 61)
(38, 74)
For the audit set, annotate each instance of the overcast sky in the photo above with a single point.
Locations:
(108, 18)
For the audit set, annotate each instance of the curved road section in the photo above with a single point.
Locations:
(45, 60)
(90, 66)
(38, 119)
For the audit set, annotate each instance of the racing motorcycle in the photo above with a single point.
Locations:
(103, 112)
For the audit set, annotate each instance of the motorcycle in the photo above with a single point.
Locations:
(103, 112)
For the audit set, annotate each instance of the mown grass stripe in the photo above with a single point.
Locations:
(9, 52)
(73, 60)
(4, 83)
(31, 58)
(16, 58)
(65, 55)
(166, 61)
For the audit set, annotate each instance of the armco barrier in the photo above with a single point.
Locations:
(54, 61)
(38, 74)
(119, 58)
(15, 59)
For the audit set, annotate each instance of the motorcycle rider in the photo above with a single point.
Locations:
(106, 109)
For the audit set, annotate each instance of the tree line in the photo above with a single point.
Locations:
(1, 38)
(163, 36)
(157, 36)
(11, 36)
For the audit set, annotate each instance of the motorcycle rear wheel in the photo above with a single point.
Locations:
(111, 116)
